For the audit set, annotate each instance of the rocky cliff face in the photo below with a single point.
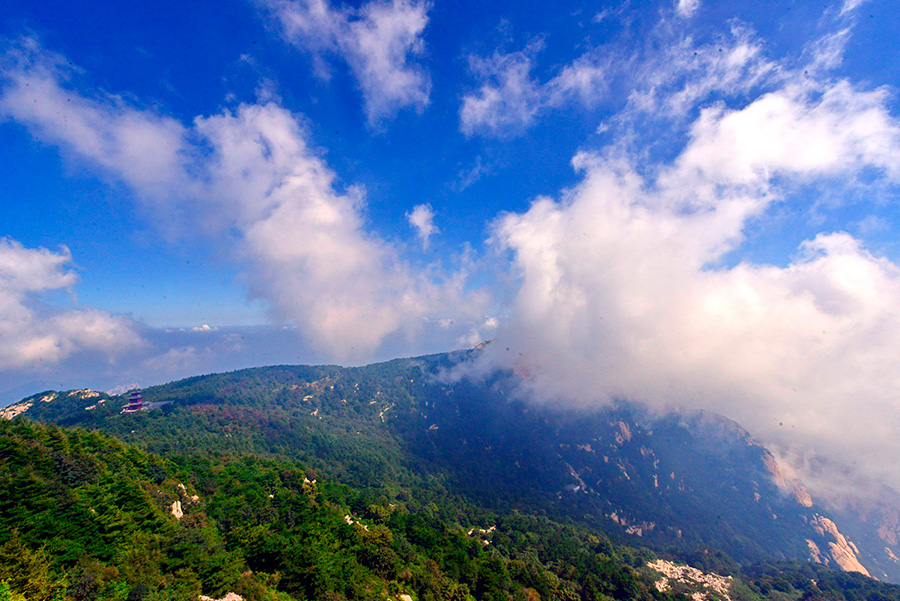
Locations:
(870, 516)
(836, 548)
(58, 406)
(667, 477)
(827, 545)
(685, 480)
(701, 585)
(825, 542)
(794, 487)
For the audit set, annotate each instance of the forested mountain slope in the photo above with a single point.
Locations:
(84, 516)
(400, 435)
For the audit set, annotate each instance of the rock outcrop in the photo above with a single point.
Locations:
(703, 583)
(839, 549)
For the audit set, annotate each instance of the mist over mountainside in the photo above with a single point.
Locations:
(681, 482)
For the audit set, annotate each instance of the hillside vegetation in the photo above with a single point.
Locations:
(386, 482)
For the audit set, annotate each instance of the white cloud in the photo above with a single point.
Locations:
(313, 24)
(871, 223)
(114, 136)
(687, 8)
(468, 177)
(248, 181)
(797, 130)
(379, 42)
(850, 6)
(422, 218)
(479, 333)
(175, 360)
(122, 388)
(625, 292)
(584, 79)
(310, 254)
(667, 81)
(828, 51)
(682, 75)
(628, 282)
(31, 334)
(384, 38)
(510, 99)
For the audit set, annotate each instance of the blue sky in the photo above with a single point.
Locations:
(687, 203)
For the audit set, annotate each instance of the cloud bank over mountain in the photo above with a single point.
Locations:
(642, 278)
(630, 288)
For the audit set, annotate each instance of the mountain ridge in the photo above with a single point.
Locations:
(682, 481)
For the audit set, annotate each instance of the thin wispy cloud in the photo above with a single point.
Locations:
(380, 42)
(510, 98)
(468, 177)
(851, 5)
(674, 76)
(685, 74)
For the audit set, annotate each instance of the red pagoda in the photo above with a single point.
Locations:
(135, 402)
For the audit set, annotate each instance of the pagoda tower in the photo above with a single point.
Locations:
(135, 402)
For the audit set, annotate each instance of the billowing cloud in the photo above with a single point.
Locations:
(816, 133)
(510, 98)
(33, 335)
(247, 180)
(628, 287)
(379, 41)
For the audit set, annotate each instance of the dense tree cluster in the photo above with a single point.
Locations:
(87, 517)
